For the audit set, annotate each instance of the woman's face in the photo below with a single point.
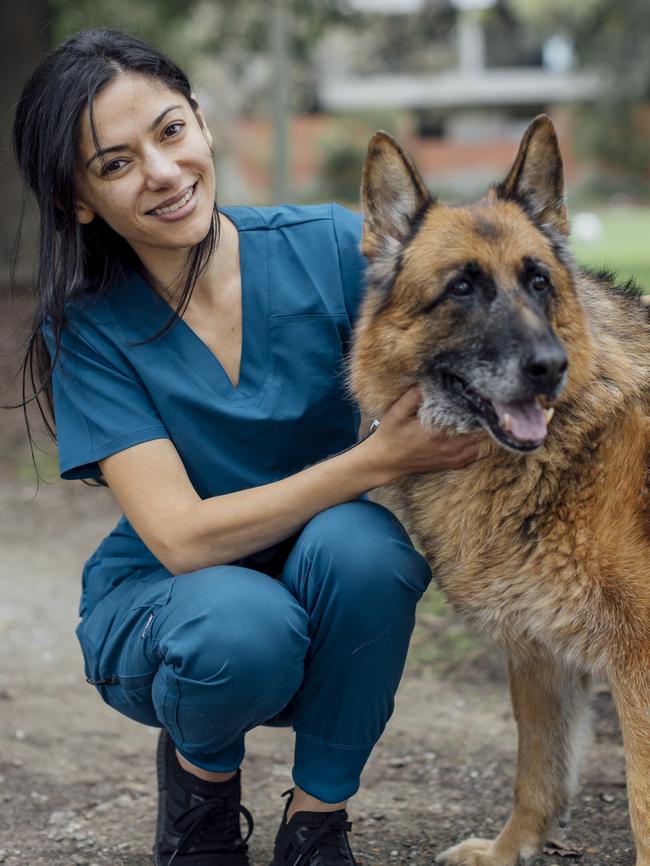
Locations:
(151, 178)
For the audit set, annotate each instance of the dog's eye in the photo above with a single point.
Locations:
(539, 282)
(461, 288)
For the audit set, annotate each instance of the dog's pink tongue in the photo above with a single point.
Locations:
(527, 420)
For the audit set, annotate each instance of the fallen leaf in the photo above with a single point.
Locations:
(561, 849)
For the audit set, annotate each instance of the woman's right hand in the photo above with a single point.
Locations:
(404, 446)
(186, 532)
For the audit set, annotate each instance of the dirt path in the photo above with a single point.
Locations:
(76, 779)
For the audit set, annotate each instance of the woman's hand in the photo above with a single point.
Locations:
(405, 447)
(186, 532)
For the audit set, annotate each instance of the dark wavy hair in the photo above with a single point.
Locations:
(77, 261)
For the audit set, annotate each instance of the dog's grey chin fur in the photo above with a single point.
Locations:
(437, 410)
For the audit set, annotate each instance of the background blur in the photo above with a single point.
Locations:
(293, 89)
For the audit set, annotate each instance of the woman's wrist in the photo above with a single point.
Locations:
(375, 463)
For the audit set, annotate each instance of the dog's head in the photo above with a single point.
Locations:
(470, 302)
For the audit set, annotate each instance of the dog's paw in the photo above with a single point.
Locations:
(477, 852)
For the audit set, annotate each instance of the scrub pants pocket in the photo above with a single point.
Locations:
(116, 643)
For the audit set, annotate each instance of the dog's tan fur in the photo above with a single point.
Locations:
(549, 551)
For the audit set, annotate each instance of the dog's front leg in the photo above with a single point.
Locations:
(550, 705)
(631, 693)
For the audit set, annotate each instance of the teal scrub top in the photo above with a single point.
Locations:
(302, 282)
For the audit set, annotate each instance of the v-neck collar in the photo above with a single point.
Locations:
(190, 348)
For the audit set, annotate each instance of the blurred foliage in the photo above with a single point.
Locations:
(344, 148)
(509, 39)
(613, 133)
(238, 34)
(615, 38)
(239, 29)
(551, 16)
(234, 31)
(341, 171)
(235, 35)
(422, 42)
(425, 41)
(162, 22)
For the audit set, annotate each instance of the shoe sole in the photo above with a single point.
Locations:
(162, 790)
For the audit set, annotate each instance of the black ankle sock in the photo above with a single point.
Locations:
(190, 782)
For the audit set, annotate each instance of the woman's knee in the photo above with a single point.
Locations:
(364, 548)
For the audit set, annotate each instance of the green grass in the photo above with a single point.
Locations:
(624, 246)
(442, 641)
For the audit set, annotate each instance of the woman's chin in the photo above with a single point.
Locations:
(175, 236)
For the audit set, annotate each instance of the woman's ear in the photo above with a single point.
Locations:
(85, 214)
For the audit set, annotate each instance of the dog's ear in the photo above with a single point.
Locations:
(536, 179)
(393, 194)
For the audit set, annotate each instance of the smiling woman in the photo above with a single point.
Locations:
(164, 146)
(193, 359)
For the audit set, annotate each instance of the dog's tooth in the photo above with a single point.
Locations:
(507, 422)
(549, 414)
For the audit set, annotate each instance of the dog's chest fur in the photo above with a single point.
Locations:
(529, 549)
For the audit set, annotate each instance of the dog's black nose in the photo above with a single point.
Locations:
(545, 367)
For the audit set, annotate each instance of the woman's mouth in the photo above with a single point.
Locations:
(179, 208)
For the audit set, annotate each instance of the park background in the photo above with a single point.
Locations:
(292, 90)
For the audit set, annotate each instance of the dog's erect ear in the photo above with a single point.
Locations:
(536, 179)
(393, 194)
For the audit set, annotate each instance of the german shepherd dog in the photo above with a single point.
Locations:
(544, 542)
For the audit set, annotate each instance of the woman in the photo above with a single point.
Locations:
(193, 357)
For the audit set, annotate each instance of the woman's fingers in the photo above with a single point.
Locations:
(407, 405)
(465, 457)
(410, 447)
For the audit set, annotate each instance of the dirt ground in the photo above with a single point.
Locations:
(77, 780)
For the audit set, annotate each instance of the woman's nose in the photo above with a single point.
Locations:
(160, 169)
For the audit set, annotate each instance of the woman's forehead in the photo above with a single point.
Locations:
(126, 105)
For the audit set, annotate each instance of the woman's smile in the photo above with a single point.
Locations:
(150, 163)
(177, 207)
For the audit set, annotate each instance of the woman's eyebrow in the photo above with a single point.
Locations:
(115, 147)
(161, 117)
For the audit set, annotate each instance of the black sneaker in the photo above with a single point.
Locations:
(198, 821)
(313, 839)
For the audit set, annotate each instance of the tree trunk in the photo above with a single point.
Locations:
(24, 38)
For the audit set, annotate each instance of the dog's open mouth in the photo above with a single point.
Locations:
(521, 426)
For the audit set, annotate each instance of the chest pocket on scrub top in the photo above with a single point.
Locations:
(312, 409)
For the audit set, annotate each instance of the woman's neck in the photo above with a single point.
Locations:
(165, 269)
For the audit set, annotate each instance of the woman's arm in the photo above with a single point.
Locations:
(187, 533)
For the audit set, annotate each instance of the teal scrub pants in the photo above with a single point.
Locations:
(315, 637)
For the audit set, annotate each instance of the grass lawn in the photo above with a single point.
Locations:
(624, 246)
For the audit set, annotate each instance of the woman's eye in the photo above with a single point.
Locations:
(172, 130)
(539, 282)
(113, 166)
(461, 288)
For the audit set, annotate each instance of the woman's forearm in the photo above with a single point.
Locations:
(187, 533)
(225, 528)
